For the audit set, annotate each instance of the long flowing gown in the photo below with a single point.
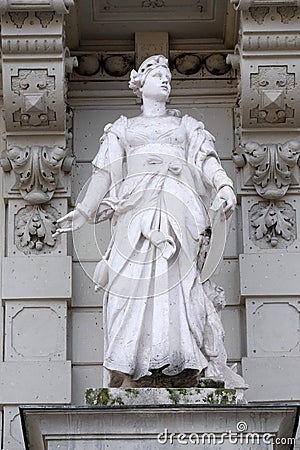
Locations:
(157, 314)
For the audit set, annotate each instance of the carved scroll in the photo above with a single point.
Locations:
(272, 166)
(37, 170)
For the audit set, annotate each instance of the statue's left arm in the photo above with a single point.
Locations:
(202, 153)
(216, 175)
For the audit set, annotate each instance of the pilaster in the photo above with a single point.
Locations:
(36, 161)
(267, 158)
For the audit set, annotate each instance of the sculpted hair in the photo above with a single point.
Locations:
(137, 78)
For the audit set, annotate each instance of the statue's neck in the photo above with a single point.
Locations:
(153, 108)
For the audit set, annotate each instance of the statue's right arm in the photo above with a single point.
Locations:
(84, 211)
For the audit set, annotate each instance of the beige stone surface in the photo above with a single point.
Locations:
(13, 435)
(36, 382)
(84, 294)
(270, 274)
(87, 335)
(233, 323)
(83, 378)
(45, 277)
(272, 378)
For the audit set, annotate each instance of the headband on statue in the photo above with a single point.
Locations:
(137, 78)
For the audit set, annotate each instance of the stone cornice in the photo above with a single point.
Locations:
(59, 6)
(244, 5)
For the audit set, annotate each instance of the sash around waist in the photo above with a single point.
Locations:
(154, 162)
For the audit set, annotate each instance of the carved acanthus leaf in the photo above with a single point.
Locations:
(272, 166)
(34, 228)
(37, 171)
(273, 224)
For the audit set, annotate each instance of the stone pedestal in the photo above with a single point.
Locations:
(236, 427)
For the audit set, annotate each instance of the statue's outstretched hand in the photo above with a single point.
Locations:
(226, 193)
(70, 222)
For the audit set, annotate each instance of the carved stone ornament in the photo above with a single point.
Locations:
(287, 13)
(37, 170)
(34, 226)
(272, 83)
(259, 13)
(272, 224)
(272, 166)
(34, 92)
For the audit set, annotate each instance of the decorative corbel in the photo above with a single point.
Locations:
(271, 166)
(37, 170)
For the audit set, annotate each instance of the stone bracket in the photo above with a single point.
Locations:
(270, 168)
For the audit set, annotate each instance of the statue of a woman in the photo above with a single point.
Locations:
(155, 176)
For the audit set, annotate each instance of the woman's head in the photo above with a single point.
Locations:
(157, 64)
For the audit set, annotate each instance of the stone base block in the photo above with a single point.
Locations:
(160, 396)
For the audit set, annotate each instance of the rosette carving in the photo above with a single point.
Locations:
(34, 228)
(272, 224)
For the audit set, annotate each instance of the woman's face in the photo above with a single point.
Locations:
(157, 84)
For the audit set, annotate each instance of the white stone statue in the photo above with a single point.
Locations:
(155, 176)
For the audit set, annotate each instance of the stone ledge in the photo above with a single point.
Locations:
(137, 427)
(162, 396)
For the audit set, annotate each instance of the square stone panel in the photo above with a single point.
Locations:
(35, 330)
(273, 327)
